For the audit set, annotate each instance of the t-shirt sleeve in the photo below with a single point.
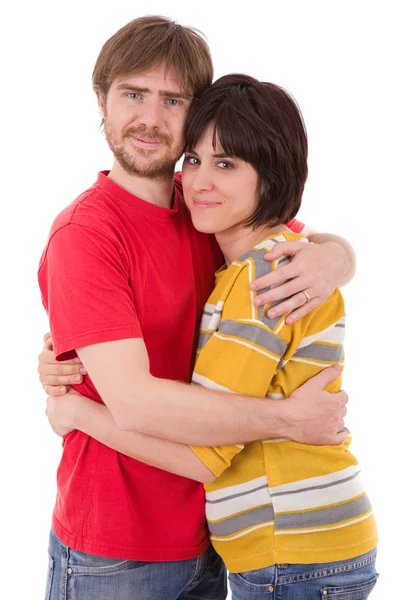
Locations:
(296, 226)
(241, 357)
(84, 282)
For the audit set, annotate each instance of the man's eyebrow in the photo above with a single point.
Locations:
(169, 94)
(133, 88)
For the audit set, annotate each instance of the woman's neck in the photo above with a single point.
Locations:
(236, 241)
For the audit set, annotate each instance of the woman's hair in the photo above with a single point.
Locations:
(261, 124)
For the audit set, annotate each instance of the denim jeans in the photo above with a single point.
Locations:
(351, 579)
(74, 575)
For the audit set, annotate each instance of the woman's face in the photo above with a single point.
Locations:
(220, 191)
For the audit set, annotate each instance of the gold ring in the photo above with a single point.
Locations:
(306, 295)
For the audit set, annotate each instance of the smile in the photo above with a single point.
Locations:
(145, 143)
(202, 204)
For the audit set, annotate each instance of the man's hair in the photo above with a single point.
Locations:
(261, 124)
(149, 42)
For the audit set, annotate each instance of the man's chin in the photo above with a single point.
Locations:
(149, 170)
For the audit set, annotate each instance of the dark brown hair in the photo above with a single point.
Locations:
(149, 42)
(261, 124)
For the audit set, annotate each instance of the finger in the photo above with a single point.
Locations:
(54, 390)
(343, 411)
(282, 292)
(49, 342)
(274, 278)
(63, 369)
(341, 437)
(57, 380)
(46, 357)
(284, 248)
(343, 397)
(288, 305)
(46, 337)
(323, 378)
(304, 309)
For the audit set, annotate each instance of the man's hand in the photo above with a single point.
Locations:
(56, 376)
(59, 412)
(314, 271)
(314, 416)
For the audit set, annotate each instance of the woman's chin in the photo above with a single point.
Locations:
(205, 227)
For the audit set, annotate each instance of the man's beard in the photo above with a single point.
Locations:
(156, 168)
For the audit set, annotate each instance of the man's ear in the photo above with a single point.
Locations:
(101, 101)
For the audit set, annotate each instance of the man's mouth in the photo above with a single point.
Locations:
(144, 143)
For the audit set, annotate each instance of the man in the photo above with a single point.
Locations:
(124, 278)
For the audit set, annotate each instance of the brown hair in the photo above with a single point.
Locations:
(261, 124)
(148, 42)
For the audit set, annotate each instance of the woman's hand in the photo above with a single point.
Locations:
(314, 271)
(56, 376)
(61, 412)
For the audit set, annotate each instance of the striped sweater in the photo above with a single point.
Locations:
(276, 501)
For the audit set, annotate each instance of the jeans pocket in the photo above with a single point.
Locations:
(81, 562)
(50, 575)
(259, 580)
(353, 591)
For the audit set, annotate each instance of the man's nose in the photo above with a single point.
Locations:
(151, 115)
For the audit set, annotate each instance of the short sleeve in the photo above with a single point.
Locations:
(296, 226)
(84, 282)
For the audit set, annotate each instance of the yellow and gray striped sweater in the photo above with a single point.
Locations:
(276, 501)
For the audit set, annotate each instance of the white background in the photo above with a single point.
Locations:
(341, 61)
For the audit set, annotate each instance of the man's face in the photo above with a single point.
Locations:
(144, 117)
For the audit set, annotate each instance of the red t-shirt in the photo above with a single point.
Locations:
(117, 267)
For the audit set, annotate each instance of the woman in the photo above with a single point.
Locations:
(287, 518)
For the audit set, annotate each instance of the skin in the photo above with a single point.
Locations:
(144, 125)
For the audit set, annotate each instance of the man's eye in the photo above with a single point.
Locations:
(173, 102)
(133, 95)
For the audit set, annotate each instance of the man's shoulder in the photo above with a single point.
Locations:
(90, 209)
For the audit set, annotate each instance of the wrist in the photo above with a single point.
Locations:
(73, 410)
(275, 420)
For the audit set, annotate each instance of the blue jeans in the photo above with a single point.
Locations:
(351, 579)
(74, 575)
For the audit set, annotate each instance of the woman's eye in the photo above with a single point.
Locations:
(225, 165)
(191, 160)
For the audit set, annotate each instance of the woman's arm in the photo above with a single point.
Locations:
(74, 411)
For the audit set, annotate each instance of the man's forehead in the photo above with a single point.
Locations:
(155, 79)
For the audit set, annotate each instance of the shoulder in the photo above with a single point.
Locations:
(89, 212)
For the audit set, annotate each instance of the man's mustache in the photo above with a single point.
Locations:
(147, 134)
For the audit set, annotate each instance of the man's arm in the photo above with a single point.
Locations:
(74, 411)
(317, 269)
(193, 415)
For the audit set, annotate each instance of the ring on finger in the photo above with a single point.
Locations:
(306, 295)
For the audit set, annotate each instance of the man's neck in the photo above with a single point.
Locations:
(155, 191)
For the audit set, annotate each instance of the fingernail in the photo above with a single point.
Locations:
(62, 390)
(257, 302)
(83, 371)
(77, 360)
(77, 378)
(272, 313)
(252, 286)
